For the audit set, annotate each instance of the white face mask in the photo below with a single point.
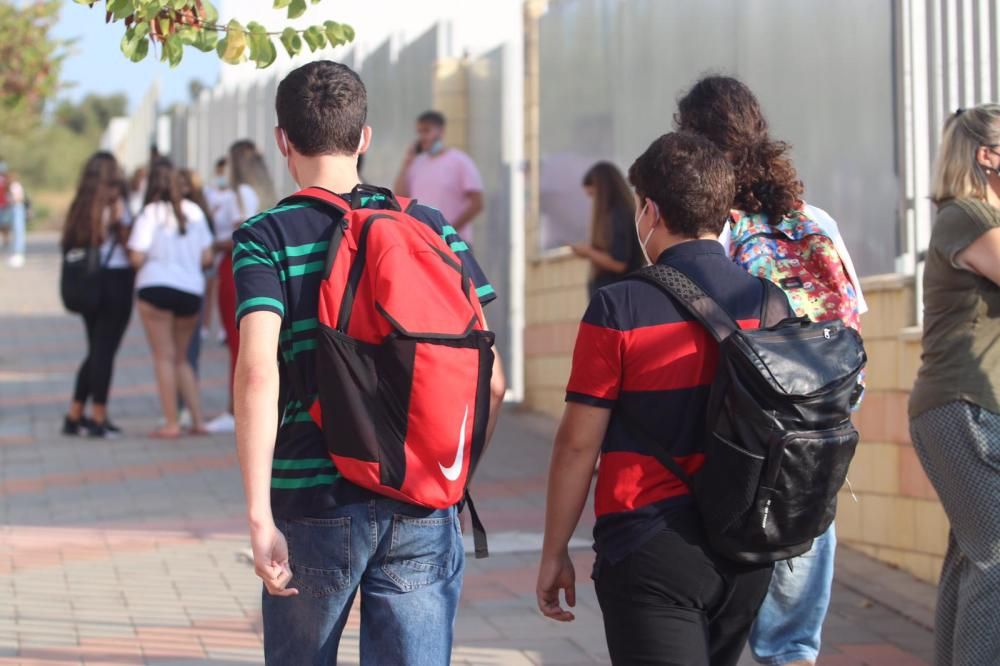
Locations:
(642, 242)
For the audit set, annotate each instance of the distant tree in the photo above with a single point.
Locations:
(174, 25)
(30, 61)
(195, 86)
(92, 114)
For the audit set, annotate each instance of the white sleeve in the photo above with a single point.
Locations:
(250, 201)
(228, 217)
(829, 225)
(143, 229)
(196, 216)
(726, 237)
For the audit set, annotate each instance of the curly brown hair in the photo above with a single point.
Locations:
(725, 111)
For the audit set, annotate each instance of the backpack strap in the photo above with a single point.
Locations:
(322, 195)
(693, 298)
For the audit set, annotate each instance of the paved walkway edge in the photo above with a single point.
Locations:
(887, 586)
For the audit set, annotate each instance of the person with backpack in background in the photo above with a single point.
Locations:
(98, 223)
(955, 403)
(319, 531)
(6, 213)
(250, 191)
(775, 235)
(642, 369)
(18, 204)
(613, 250)
(441, 176)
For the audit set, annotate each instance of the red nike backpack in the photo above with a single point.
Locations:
(403, 360)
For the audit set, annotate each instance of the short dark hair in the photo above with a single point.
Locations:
(689, 179)
(220, 163)
(435, 118)
(322, 106)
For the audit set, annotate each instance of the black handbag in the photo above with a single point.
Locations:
(80, 282)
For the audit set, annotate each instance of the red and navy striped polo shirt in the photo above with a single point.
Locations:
(640, 354)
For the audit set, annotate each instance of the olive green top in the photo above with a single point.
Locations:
(961, 345)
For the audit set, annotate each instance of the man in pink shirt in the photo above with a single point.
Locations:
(442, 177)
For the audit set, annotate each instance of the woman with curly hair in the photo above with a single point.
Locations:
(774, 234)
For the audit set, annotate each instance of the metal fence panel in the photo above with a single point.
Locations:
(493, 231)
(612, 72)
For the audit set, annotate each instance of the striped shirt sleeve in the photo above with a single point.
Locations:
(596, 375)
(257, 275)
(434, 219)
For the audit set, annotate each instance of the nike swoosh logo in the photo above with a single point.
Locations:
(455, 470)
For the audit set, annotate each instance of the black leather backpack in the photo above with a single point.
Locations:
(778, 436)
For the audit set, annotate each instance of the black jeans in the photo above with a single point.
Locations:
(105, 329)
(672, 602)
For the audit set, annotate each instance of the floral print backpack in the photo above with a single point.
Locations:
(799, 256)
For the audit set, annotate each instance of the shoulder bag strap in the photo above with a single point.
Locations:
(693, 298)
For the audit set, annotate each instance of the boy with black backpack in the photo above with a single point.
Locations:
(722, 422)
(327, 282)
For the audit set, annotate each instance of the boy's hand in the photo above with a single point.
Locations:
(270, 560)
(554, 574)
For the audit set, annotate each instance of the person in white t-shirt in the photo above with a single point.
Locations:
(250, 191)
(170, 247)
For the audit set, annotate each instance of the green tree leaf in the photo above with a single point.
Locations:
(335, 33)
(314, 38)
(292, 41)
(173, 50)
(262, 49)
(296, 8)
(232, 48)
(281, 4)
(209, 14)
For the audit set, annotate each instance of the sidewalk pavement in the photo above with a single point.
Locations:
(133, 551)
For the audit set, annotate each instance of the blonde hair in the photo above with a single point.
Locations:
(246, 167)
(957, 172)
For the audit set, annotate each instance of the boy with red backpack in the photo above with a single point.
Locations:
(386, 390)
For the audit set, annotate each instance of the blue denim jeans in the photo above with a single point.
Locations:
(19, 224)
(408, 563)
(790, 622)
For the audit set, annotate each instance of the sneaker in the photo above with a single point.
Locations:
(102, 431)
(224, 422)
(16, 261)
(184, 418)
(72, 428)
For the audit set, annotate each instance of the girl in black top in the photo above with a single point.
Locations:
(98, 217)
(612, 250)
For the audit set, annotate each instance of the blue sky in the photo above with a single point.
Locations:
(97, 65)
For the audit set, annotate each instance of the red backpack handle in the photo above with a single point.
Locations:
(344, 206)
